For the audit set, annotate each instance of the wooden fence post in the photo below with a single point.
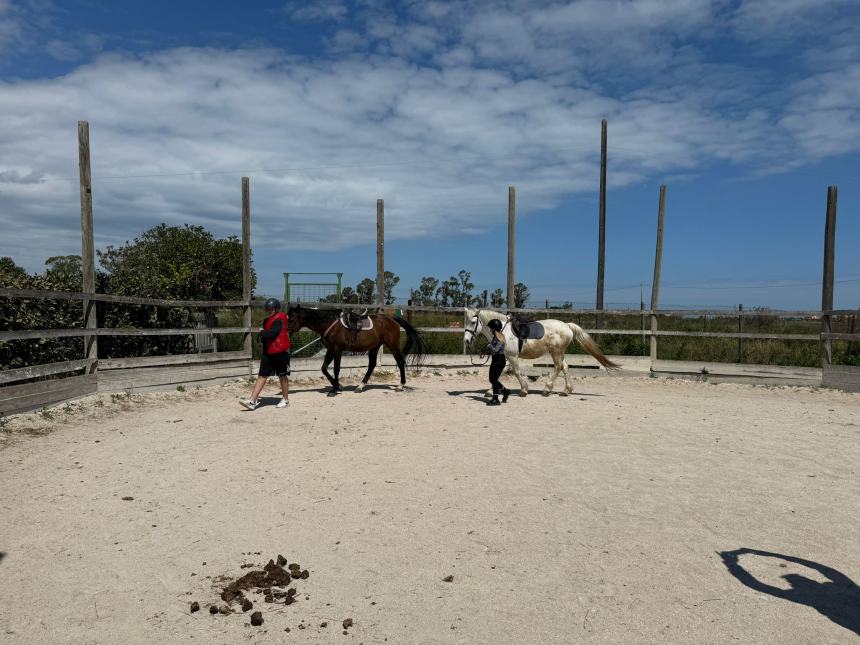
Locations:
(512, 233)
(91, 349)
(246, 269)
(827, 281)
(740, 330)
(380, 252)
(658, 261)
(601, 243)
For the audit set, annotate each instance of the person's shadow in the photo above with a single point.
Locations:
(838, 599)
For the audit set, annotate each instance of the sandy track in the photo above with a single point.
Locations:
(595, 518)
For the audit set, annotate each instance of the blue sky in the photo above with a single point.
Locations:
(746, 109)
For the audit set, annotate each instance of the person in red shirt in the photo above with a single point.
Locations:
(276, 355)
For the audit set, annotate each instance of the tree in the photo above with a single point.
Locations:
(9, 270)
(16, 313)
(349, 296)
(366, 290)
(389, 281)
(497, 299)
(170, 262)
(448, 294)
(483, 298)
(521, 295)
(465, 287)
(173, 262)
(67, 270)
(425, 294)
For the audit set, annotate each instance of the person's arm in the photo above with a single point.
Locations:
(273, 331)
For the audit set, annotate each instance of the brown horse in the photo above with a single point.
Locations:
(338, 339)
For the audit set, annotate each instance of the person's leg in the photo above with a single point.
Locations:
(281, 363)
(496, 367)
(263, 375)
(504, 391)
(258, 387)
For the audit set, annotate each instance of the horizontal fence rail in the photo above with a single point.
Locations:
(29, 387)
(118, 331)
(125, 300)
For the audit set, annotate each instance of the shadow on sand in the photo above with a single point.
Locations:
(838, 599)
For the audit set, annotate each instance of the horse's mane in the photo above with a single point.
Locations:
(314, 315)
(486, 315)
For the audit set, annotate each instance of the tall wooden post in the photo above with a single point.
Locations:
(827, 281)
(740, 330)
(88, 267)
(658, 261)
(380, 252)
(601, 243)
(512, 234)
(246, 267)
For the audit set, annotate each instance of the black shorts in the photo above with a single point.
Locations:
(275, 364)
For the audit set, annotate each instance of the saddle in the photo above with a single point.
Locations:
(525, 328)
(355, 322)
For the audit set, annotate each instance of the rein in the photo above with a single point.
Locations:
(474, 333)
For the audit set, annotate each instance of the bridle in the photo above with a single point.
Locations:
(474, 333)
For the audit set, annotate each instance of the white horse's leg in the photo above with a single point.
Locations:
(515, 367)
(568, 386)
(556, 368)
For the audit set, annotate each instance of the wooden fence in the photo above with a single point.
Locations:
(29, 388)
(32, 387)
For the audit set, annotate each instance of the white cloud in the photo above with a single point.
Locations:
(758, 19)
(62, 50)
(11, 25)
(318, 10)
(436, 110)
(323, 141)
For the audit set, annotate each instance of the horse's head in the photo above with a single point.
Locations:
(474, 327)
(296, 318)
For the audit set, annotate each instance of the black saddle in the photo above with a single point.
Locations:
(525, 328)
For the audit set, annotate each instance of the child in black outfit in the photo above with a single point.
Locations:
(496, 349)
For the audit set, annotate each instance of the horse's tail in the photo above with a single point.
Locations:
(588, 344)
(414, 349)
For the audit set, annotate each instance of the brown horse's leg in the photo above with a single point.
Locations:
(401, 364)
(338, 353)
(371, 365)
(329, 354)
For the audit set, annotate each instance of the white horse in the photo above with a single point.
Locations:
(557, 336)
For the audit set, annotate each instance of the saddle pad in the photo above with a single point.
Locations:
(535, 330)
(364, 324)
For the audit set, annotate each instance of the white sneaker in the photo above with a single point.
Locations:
(248, 403)
(283, 403)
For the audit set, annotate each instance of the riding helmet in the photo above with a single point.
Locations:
(495, 324)
(273, 303)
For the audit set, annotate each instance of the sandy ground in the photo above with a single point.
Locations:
(595, 518)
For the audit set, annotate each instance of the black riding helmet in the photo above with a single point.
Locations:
(495, 324)
(273, 304)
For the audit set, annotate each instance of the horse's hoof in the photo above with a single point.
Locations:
(547, 392)
(361, 387)
(399, 388)
(524, 392)
(333, 393)
(563, 393)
